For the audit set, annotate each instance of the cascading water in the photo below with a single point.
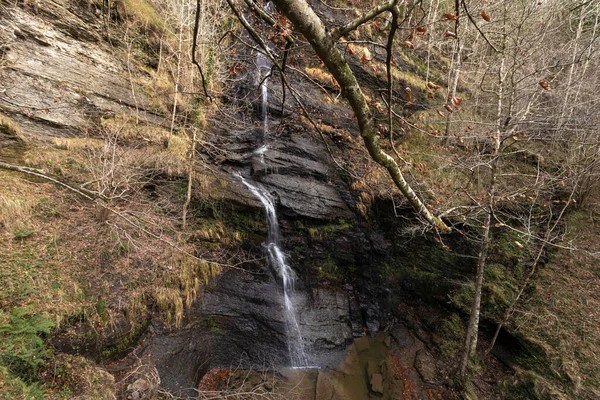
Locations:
(277, 262)
(276, 257)
(263, 64)
(264, 68)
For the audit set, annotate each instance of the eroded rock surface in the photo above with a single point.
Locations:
(239, 322)
(58, 74)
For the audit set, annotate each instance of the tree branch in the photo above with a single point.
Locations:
(310, 25)
(341, 31)
(194, 45)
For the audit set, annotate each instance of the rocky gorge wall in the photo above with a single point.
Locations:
(60, 74)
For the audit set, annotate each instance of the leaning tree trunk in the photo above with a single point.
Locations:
(310, 25)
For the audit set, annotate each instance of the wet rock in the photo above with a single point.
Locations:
(239, 321)
(280, 159)
(307, 196)
(373, 319)
(377, 383)
(402, 335)
(425, 365)
(325, 319)
(325, 389)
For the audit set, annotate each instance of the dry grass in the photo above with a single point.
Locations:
(33, 264)
(10, 128)
(14, 212)
(323, 77)
(159, 88)
(77, 144)
(123, 128)
(181, 288)
(144, 13)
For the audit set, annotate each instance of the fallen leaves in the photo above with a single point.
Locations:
(450, 34)
(485, 15)
(234, 69)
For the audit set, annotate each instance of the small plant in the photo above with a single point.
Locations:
(22, 232)
(22, 348)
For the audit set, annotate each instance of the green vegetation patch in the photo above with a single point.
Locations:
(322, 231)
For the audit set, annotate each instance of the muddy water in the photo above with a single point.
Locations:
(369, 371)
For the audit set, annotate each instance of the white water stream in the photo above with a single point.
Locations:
(275, 256)
(263, 64)
(277, 261)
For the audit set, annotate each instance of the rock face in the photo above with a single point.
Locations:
(61, 73)
(58, 73)
(239, 322)
(298, 172)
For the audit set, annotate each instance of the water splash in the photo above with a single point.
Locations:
(260, 152)
(278, 263)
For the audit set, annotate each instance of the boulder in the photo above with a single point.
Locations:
(425, 366)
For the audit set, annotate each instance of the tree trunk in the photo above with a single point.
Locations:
(178, 71)
(473, 327)
(452, 89)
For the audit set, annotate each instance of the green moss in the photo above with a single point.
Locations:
(452, 332)
(322, 231)
(329, 271)
(217, 324)
(126, 343)
(462, 298)
(509, 247)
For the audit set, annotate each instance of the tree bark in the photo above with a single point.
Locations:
(310, 25)
(473, 327)
(452, 88)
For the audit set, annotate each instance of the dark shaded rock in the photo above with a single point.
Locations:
(307, 196)
(325, 320)
(402, 335)
(277, 161)
(239, 322)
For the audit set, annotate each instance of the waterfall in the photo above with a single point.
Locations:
(263, 64)
(264, 68)
(277, 261)
(275, 255)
